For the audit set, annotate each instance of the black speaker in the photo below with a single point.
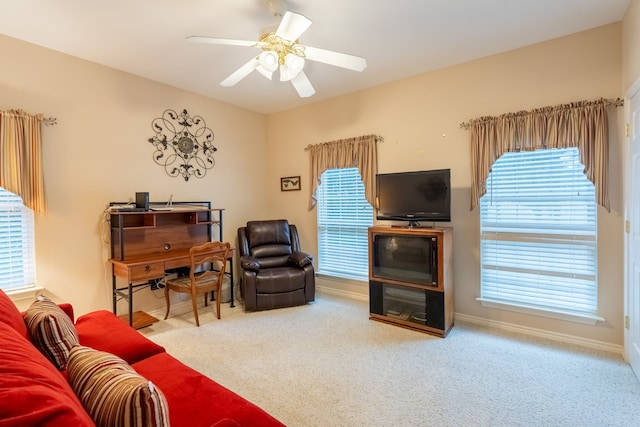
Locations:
(376, 297)
(434, 309)
(142, 201)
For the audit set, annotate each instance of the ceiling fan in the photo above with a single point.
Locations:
(281, 50)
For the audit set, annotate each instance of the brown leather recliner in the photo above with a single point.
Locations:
(274, 271)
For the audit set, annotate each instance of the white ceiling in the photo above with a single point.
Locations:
(399, 38)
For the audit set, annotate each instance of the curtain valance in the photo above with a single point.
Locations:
(581, 124)
(360, 152)
(21, 170)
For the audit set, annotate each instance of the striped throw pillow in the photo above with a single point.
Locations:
(112, 392)
(51, 330)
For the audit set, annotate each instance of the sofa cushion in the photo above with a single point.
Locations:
(196, 400)
(104, 331)
(112, 392)
(11, 316)
(51, 330)
(225, 422)
(32, 391)
(68, 309)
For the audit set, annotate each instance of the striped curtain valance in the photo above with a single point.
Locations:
(21, 170)
(358, 152)
(581, 124)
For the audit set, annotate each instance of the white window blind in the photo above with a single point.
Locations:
(17, 254)
(538, 233)
(344, 216)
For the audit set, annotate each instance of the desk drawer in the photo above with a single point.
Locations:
(146, 271)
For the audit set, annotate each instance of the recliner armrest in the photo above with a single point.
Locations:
(249, 262)
(300, 259)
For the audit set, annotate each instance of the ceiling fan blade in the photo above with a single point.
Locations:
(338, 59)
(241, 72)
(215, 40)
(292, 26)
(302, 85)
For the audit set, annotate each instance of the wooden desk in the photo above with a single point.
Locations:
(145, 244)
(137, 271)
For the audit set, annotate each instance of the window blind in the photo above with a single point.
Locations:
(538, 233)
(17, 254)
(344, 217)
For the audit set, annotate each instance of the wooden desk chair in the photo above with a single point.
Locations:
(206, 272)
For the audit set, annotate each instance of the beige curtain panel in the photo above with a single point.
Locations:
(360, 152)
(21, 169)
(581, 124)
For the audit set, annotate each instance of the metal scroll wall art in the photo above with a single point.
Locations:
(183, 143)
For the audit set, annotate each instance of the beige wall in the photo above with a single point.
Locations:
(631, 45)
(419, 119)
(98, 152)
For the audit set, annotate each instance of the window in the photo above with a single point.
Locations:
(344, 216)
(17, 254)
(538, 236)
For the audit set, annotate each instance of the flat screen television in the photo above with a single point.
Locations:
(414, 196)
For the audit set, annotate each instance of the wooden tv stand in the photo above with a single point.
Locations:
(410, 278)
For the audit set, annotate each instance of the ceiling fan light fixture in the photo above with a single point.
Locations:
(269, 60)
(268, 63)
(292, 66)
(294, 62)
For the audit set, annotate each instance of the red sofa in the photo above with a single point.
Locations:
(33, 392)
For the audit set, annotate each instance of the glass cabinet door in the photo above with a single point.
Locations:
(415, 305)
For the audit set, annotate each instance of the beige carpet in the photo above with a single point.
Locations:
(327, 364)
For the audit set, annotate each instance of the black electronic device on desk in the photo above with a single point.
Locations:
(142, 201)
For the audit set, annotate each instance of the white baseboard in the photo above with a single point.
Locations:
(572, 339)
(346, 287)
(340, 292)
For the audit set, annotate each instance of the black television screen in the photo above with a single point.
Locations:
(414, 196)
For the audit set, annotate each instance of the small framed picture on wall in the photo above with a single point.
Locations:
(290, 183)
